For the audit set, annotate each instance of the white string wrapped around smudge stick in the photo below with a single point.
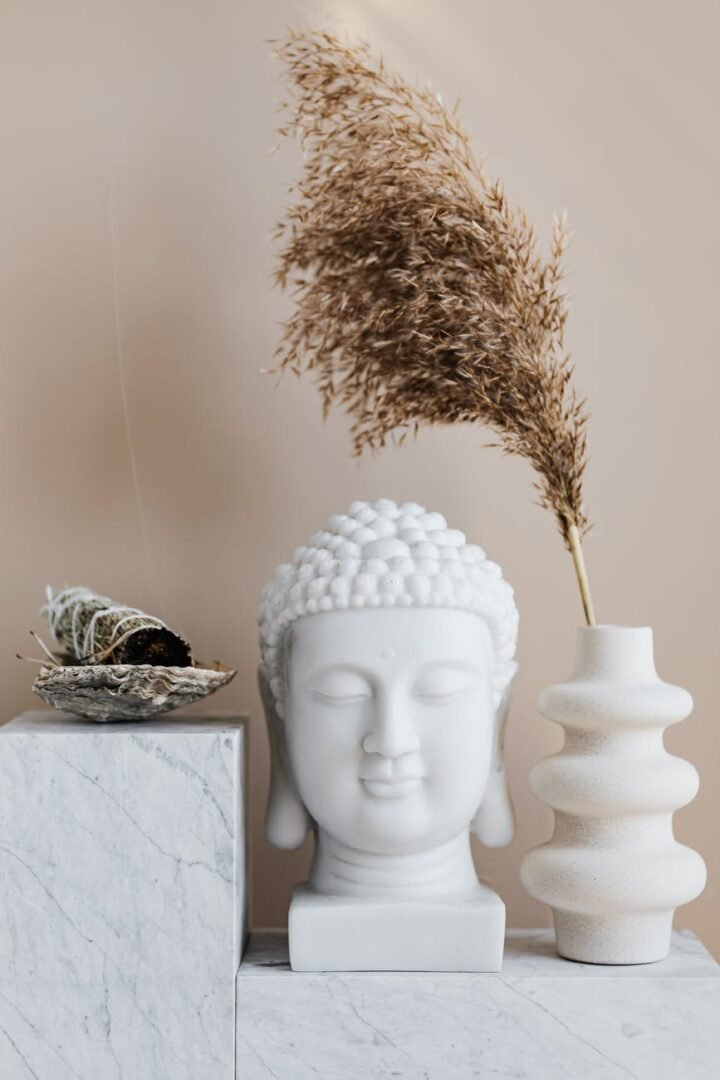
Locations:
(95, 630)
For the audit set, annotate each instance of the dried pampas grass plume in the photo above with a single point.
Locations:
(420, 293)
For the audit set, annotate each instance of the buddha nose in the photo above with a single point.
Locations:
(393, 732)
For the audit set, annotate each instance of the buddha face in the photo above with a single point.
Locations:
(389, 723)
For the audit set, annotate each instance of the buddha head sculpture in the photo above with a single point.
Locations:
(387, 658)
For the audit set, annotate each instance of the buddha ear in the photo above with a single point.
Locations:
(287, 822)
(494, 823)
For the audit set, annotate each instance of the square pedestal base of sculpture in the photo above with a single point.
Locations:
(331, 933)
(122, 897)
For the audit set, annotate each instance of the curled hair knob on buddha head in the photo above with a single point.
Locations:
(383, 554)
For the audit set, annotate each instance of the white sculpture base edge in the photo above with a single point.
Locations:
(333, 933)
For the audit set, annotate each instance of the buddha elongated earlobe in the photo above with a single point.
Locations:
(494, 823)
(287, 822)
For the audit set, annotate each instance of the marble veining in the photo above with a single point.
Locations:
(542, 1018)
(122, 902)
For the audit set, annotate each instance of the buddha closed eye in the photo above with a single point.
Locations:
(446, 682)
(341, 688)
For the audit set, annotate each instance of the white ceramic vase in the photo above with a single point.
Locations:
(613, 872)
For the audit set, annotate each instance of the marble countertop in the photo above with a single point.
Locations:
(541, 1018)
(528, 953)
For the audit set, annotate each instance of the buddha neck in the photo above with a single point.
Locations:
(447, 871)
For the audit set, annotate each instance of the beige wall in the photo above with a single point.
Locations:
(137, 201)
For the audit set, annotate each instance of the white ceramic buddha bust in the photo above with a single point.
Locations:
(387, 659)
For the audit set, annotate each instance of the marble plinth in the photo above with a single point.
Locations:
(542, 1018)
(122, 897)
(343, 933)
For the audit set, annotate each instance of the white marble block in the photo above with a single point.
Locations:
(122, 897)
(542, 1018)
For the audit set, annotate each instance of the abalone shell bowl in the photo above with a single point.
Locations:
(107, 692)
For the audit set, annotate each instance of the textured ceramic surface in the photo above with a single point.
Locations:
(385, 719)
(613, 872)
(123, 897)
(105, 692)
(543, 1018)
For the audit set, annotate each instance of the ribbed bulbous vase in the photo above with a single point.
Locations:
(613, 872)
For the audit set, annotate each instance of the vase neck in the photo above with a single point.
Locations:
(615, 652)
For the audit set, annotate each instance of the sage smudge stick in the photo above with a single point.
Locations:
(421, 296)
(95, 630)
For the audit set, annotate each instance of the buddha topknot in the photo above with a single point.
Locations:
(383, 554)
